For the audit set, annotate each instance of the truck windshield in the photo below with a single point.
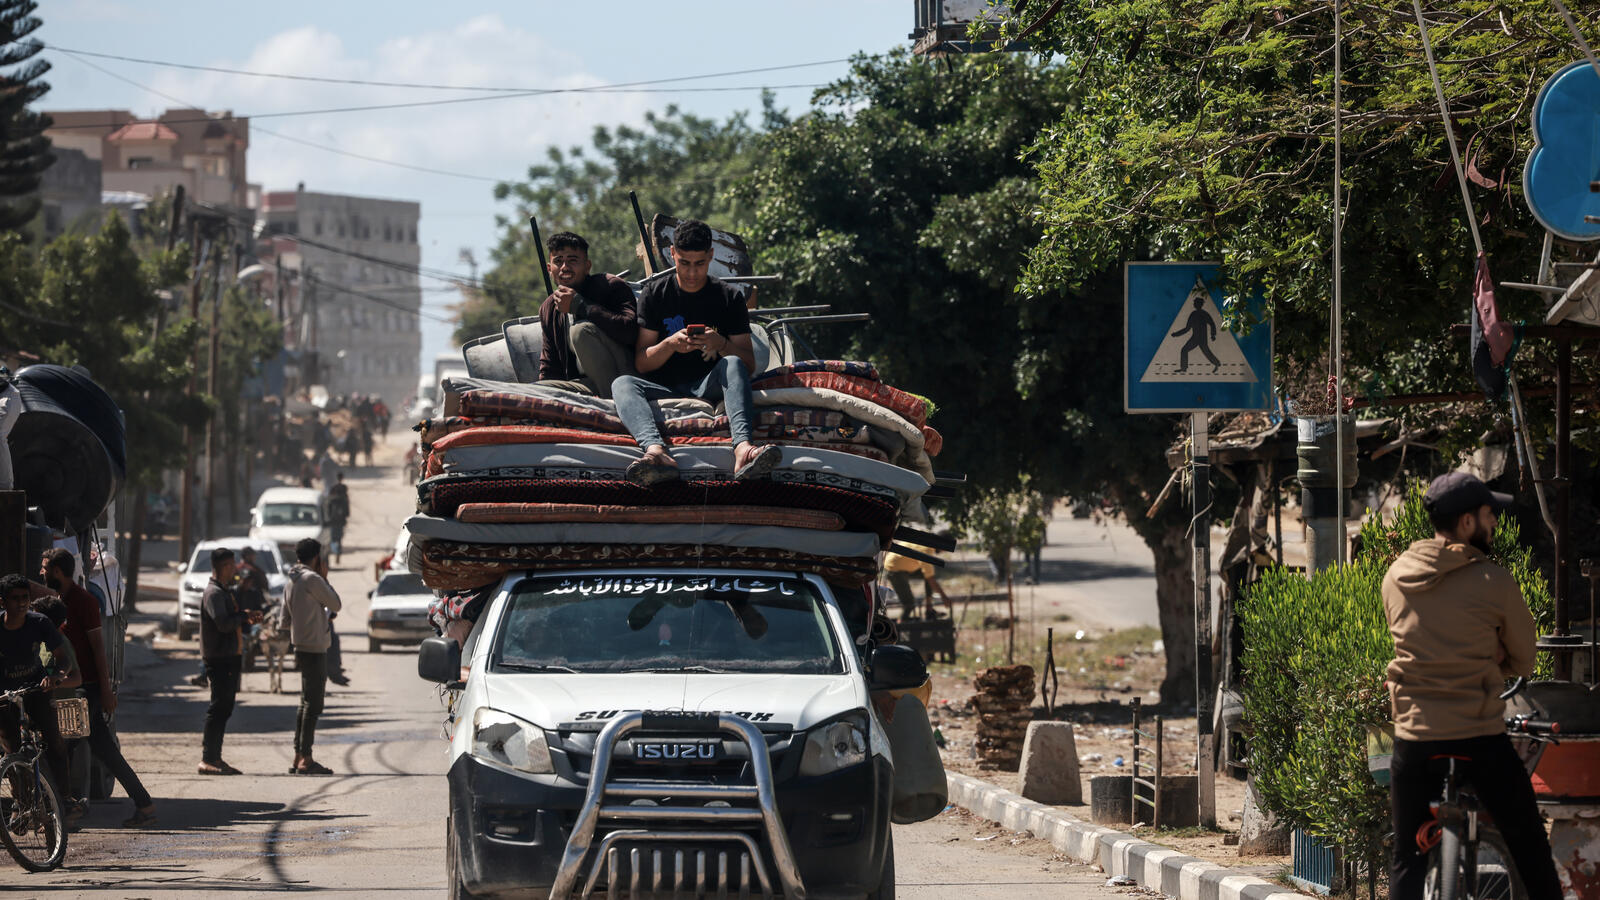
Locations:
(290, 514)
(667, 623)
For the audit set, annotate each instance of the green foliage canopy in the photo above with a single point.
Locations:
(1203, 130)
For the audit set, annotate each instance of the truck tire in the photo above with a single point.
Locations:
(885, 890)
(374, 645)
(184, 631)
(452, 867)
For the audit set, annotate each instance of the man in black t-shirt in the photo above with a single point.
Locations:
(589, 350)
(21, 633)
(694, 341)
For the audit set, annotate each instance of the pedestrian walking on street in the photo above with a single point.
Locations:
(221, 636)
(365, 434)
(84, 632)
(308, 600)
(1460, 628)
(338, 513)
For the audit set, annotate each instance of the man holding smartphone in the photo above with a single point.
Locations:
(694, 341)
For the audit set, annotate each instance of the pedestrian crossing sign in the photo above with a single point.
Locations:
(1179, 355)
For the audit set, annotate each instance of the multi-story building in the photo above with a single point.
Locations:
(354, 261)
(203, 151)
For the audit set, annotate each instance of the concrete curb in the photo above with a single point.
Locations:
(1152, 866)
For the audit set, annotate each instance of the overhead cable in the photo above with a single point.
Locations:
(422, 85)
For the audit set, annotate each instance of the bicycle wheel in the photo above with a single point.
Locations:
(1489, 875)
(1444, 868)
(32, 824)
(1497, 877)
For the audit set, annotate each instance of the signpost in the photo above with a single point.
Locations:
(1180, 357)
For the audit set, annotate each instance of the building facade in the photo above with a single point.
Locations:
(354, 261)
(203, 151)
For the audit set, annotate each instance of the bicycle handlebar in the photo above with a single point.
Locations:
(1515, 689)
(1526, 725)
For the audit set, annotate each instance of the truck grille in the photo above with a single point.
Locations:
(643, 865)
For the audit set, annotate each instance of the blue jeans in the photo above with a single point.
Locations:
(728, 381)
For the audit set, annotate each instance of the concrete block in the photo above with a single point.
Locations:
(1050, 764)
(1111, 801)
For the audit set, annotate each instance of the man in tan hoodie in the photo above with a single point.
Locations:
(1460, 629)
(307, 601)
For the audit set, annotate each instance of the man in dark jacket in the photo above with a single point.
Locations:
(597, 346)
(83, 630)
(1460, 628)
(221, 639)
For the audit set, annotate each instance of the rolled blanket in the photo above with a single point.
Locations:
(854, 368)
(913, 409)
(457, 566)
(497, 513)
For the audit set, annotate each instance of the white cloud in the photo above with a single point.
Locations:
(495, 138)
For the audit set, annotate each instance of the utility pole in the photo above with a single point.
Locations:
(186, 489)
(1204, 681)
(211, 387)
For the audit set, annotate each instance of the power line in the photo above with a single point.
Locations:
(284, 137)
(422, 85)
(319, 283)
(625, 88)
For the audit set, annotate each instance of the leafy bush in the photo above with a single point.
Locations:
(1314, 657)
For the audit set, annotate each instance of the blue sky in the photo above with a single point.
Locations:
(504, 43)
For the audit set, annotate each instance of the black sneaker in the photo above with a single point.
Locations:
(341, 680)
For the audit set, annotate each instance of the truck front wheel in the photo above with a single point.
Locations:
(452, 864)
(885, 889)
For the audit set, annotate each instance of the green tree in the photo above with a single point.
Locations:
(24, 150)
(905, 193)
(678, 163)
(1205, 131)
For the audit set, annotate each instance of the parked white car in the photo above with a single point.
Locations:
(398, 612)
(192, 586)
(286, 515)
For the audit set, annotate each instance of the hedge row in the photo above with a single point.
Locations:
(1314, 657)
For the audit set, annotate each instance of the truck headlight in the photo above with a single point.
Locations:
(505, 740)
(835, 745)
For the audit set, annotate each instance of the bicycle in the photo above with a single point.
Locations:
(33, 823)
(1467, 857)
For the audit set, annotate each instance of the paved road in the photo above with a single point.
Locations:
(375, 828)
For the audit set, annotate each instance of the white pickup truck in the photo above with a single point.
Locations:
(675, 732)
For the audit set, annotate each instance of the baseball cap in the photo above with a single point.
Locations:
(1455, 493)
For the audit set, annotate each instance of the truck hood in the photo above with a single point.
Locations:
(552, 699)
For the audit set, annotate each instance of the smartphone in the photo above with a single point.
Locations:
(696, 330)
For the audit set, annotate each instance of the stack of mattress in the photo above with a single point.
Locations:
(528, 476)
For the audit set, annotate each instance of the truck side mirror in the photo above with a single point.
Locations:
(439, 661)
(896, 667)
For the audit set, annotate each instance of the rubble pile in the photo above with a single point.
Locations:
(1004, 704)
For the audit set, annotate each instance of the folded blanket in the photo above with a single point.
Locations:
(862, 506)
(825, 543)
(516, 513)
(698, 462)
(459, 566)
(913, 457)
(457, 385)
(914, 409)
(853, 368)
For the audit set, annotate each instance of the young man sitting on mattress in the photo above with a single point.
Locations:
(694, 341)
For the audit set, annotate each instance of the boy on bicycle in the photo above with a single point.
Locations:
(21, 633)
(1460, 629)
